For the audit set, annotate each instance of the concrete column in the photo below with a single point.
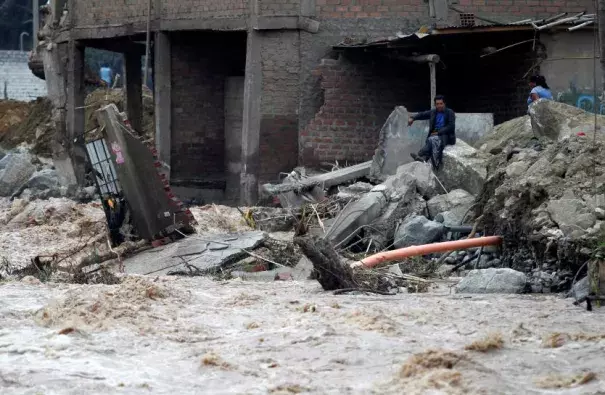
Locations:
(163, 97)
(76, 95)
(134, 89)
(251, 121)
(234, 110)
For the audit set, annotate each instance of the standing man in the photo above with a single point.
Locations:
(442, 132)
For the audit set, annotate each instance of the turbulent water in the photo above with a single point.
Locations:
(196, 336)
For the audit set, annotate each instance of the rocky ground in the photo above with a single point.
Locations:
(194, 335)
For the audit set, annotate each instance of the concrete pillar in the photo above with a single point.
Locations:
(251, 121)
(134, 89)
(234, 110)
(163, 97)
(76, 95)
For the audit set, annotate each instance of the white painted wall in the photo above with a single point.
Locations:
(21, 84)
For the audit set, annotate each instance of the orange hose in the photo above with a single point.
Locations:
(425, 249)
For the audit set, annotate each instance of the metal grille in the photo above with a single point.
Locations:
(105, 173)
(467, 19)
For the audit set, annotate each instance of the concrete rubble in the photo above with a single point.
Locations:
(463, 168)
(543, 195)
(195, 255)
(397, 140)
(417, 230)
(536, 192)
(493, 281)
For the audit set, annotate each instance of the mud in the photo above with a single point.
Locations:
(27, 123)
(196, 336)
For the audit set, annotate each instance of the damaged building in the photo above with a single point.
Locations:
(247, 89)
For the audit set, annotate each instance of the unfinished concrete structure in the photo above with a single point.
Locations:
(239, 97)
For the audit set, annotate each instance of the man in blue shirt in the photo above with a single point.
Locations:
(539, 89)
(442, 132)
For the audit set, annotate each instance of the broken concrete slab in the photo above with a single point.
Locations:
(360, 213)
(516, 131)
(557, 121)
(411, 178)
(343, 175)
(397, 140)
(484, 281)
(154, 211)
(304, 190)
(456, 199)
(463, 167)
(394, 145)
(418, 230)
(354, 190)
(16, 169)
(194, 255)
(383, 228)
(316, 184)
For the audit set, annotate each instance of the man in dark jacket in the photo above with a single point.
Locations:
(442, 132)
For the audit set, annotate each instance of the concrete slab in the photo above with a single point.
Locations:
(362, 212)
(203, 253)
(398, 140)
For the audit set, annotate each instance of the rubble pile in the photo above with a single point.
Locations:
(545, 195)
(549, 204)
(104, 96)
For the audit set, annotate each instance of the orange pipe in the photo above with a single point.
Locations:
(425, 249)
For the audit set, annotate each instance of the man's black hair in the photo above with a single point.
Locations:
(539, 80)
(440, 97)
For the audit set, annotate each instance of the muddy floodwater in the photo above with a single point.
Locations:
(197, 336)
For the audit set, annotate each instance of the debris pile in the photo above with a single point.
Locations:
(545, 194)
(102, 97)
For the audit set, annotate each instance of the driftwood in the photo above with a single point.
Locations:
(331, 272)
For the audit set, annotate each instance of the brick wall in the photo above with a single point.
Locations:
(278, 7)
(111, 12)
(16, 79)
(94, 13)
(200, 65)
(279, 103)
(359, 94)
(371, 8)
(420, 8)
(202, 9)
(524, 8)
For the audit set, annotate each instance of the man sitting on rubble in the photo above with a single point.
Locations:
(442, 132)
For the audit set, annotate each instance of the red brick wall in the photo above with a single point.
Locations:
(111, 12)
(371, 8)
(525, 8)
(279, 103)
(202, 9)
(93, 13)
(359, 94)
(279, 7)
(200, 65)
(420, 8)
